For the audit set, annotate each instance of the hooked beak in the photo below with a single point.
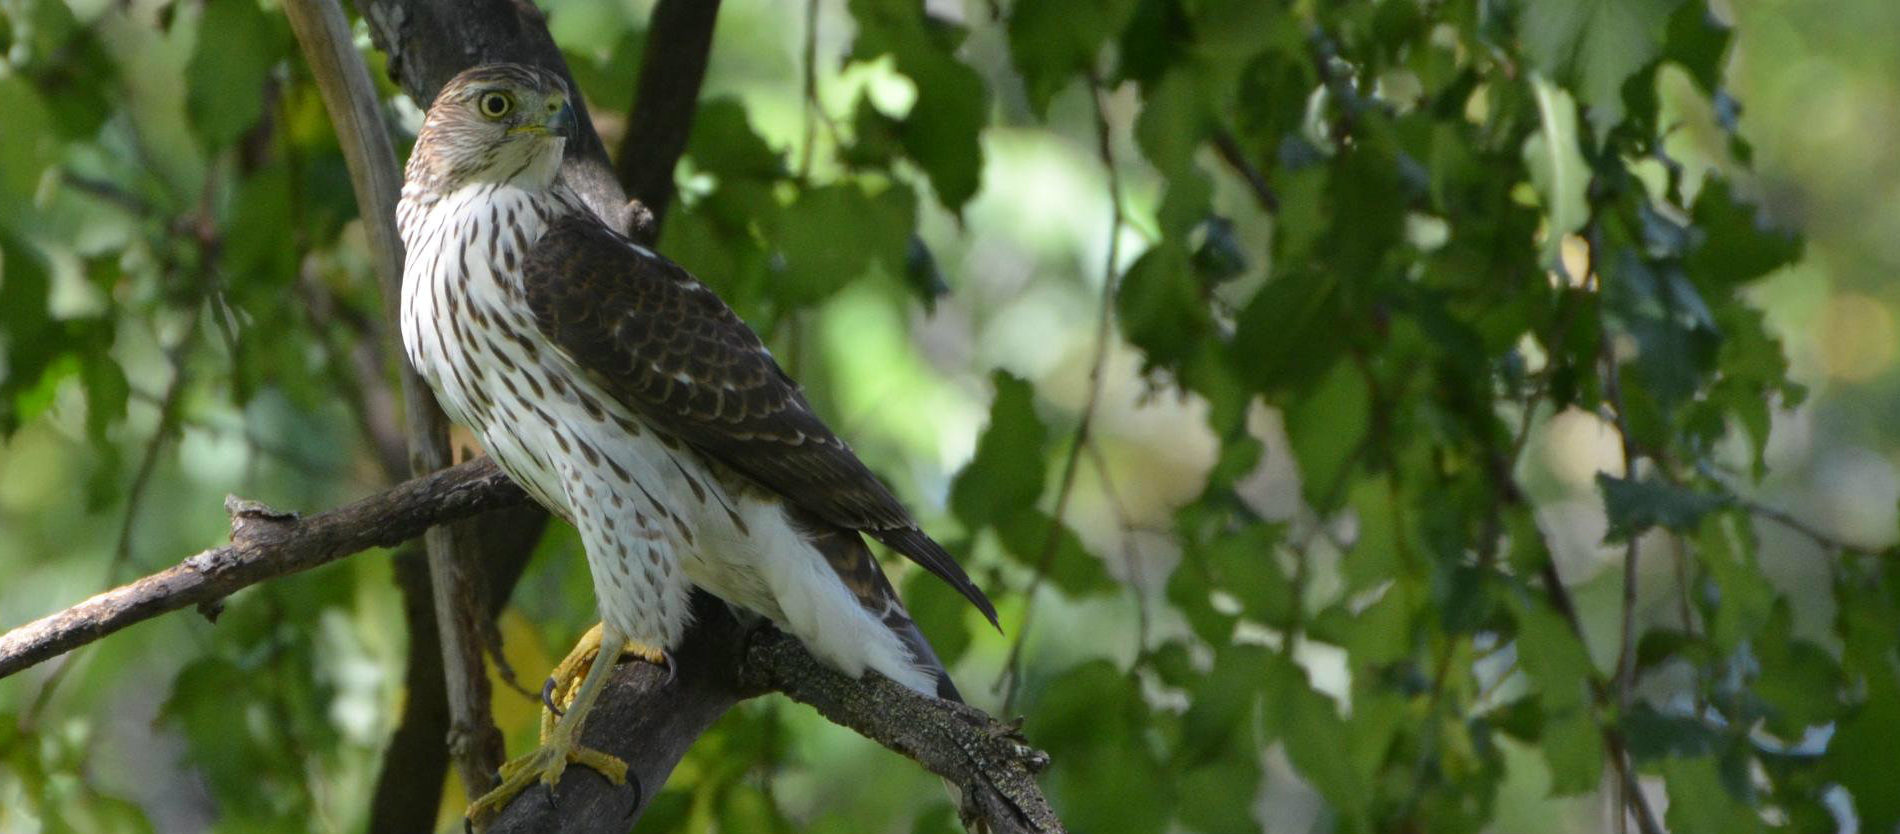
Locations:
(563, 122)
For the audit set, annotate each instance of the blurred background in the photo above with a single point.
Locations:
(208, 305)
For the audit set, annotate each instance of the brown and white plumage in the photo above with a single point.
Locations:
(629, 399)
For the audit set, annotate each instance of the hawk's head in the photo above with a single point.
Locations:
(494, 123)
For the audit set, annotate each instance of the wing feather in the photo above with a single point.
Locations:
(668, 347)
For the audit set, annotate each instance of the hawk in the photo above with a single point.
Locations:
(628, 399)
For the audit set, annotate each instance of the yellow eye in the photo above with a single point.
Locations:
(495, 105)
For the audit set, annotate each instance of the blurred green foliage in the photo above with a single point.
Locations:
(1435, 326)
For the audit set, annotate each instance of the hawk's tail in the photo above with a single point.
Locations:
(900, 622)
(850, 558)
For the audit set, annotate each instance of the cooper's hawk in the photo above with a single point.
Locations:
(631, 401)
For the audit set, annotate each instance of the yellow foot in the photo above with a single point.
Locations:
(544, 765)
(565, 681)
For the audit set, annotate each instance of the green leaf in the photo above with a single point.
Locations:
(1242, 563)
(1095, 713)
(27, 146)
(1160, 307)
(725, 145)
(237, 46)
(1698, 42)
(1860, 755)
(1053, 42)
(1317, 739)
(942, 129)
(1177, 115)
(1006, 475)
(1593, 46)
(26, 329)
(1553, 658)
(1634, 506)
(1700, 804)
(1557, 169)
(1220, 711)
(1800, 682)
(1287, 336)
(1326, 428)
(1743, 600)
(1737, 245)
(106, 392)
(813, 265)
(1221, 795)
(1653, 736)
(1191, 590)
(1033, 538)
(1573, 748)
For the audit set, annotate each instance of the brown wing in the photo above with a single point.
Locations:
(672, 350)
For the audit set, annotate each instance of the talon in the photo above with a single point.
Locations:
(547, 697)
(639, 794)
(672, 667)
(545, 764)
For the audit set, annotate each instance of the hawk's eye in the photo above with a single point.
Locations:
(495, 105)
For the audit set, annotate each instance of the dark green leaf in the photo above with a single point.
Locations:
(237, 46)
(1634, 506)
(1160, 306)
(1006, 474)
(1054, 42)
(941, 130)
(813, 264)
(1700, 804)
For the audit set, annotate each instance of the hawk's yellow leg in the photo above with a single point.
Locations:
(560, 739)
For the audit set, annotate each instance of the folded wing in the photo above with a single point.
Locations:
(669, 348)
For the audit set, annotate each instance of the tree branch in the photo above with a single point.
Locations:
(679, 41)
(989, 761)
(643, 718)
(416, 758)
(324, 35)
(265, 544)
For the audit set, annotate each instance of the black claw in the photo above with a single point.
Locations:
(639, 794)
(547, 793)
(547, 697)
(468, 826)
(672, 666)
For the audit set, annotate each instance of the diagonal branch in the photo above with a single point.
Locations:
(645, 718)
(265, 544)
(679, 40)
(355, 109)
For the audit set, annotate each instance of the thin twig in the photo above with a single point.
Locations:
(1617, 750)
(1626, 644)
(1011, 677)
(1131, 556)
(1236, 158)
(812, 106)
(1789, 520)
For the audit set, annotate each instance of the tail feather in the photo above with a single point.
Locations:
(850, 558)
(926, 658)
